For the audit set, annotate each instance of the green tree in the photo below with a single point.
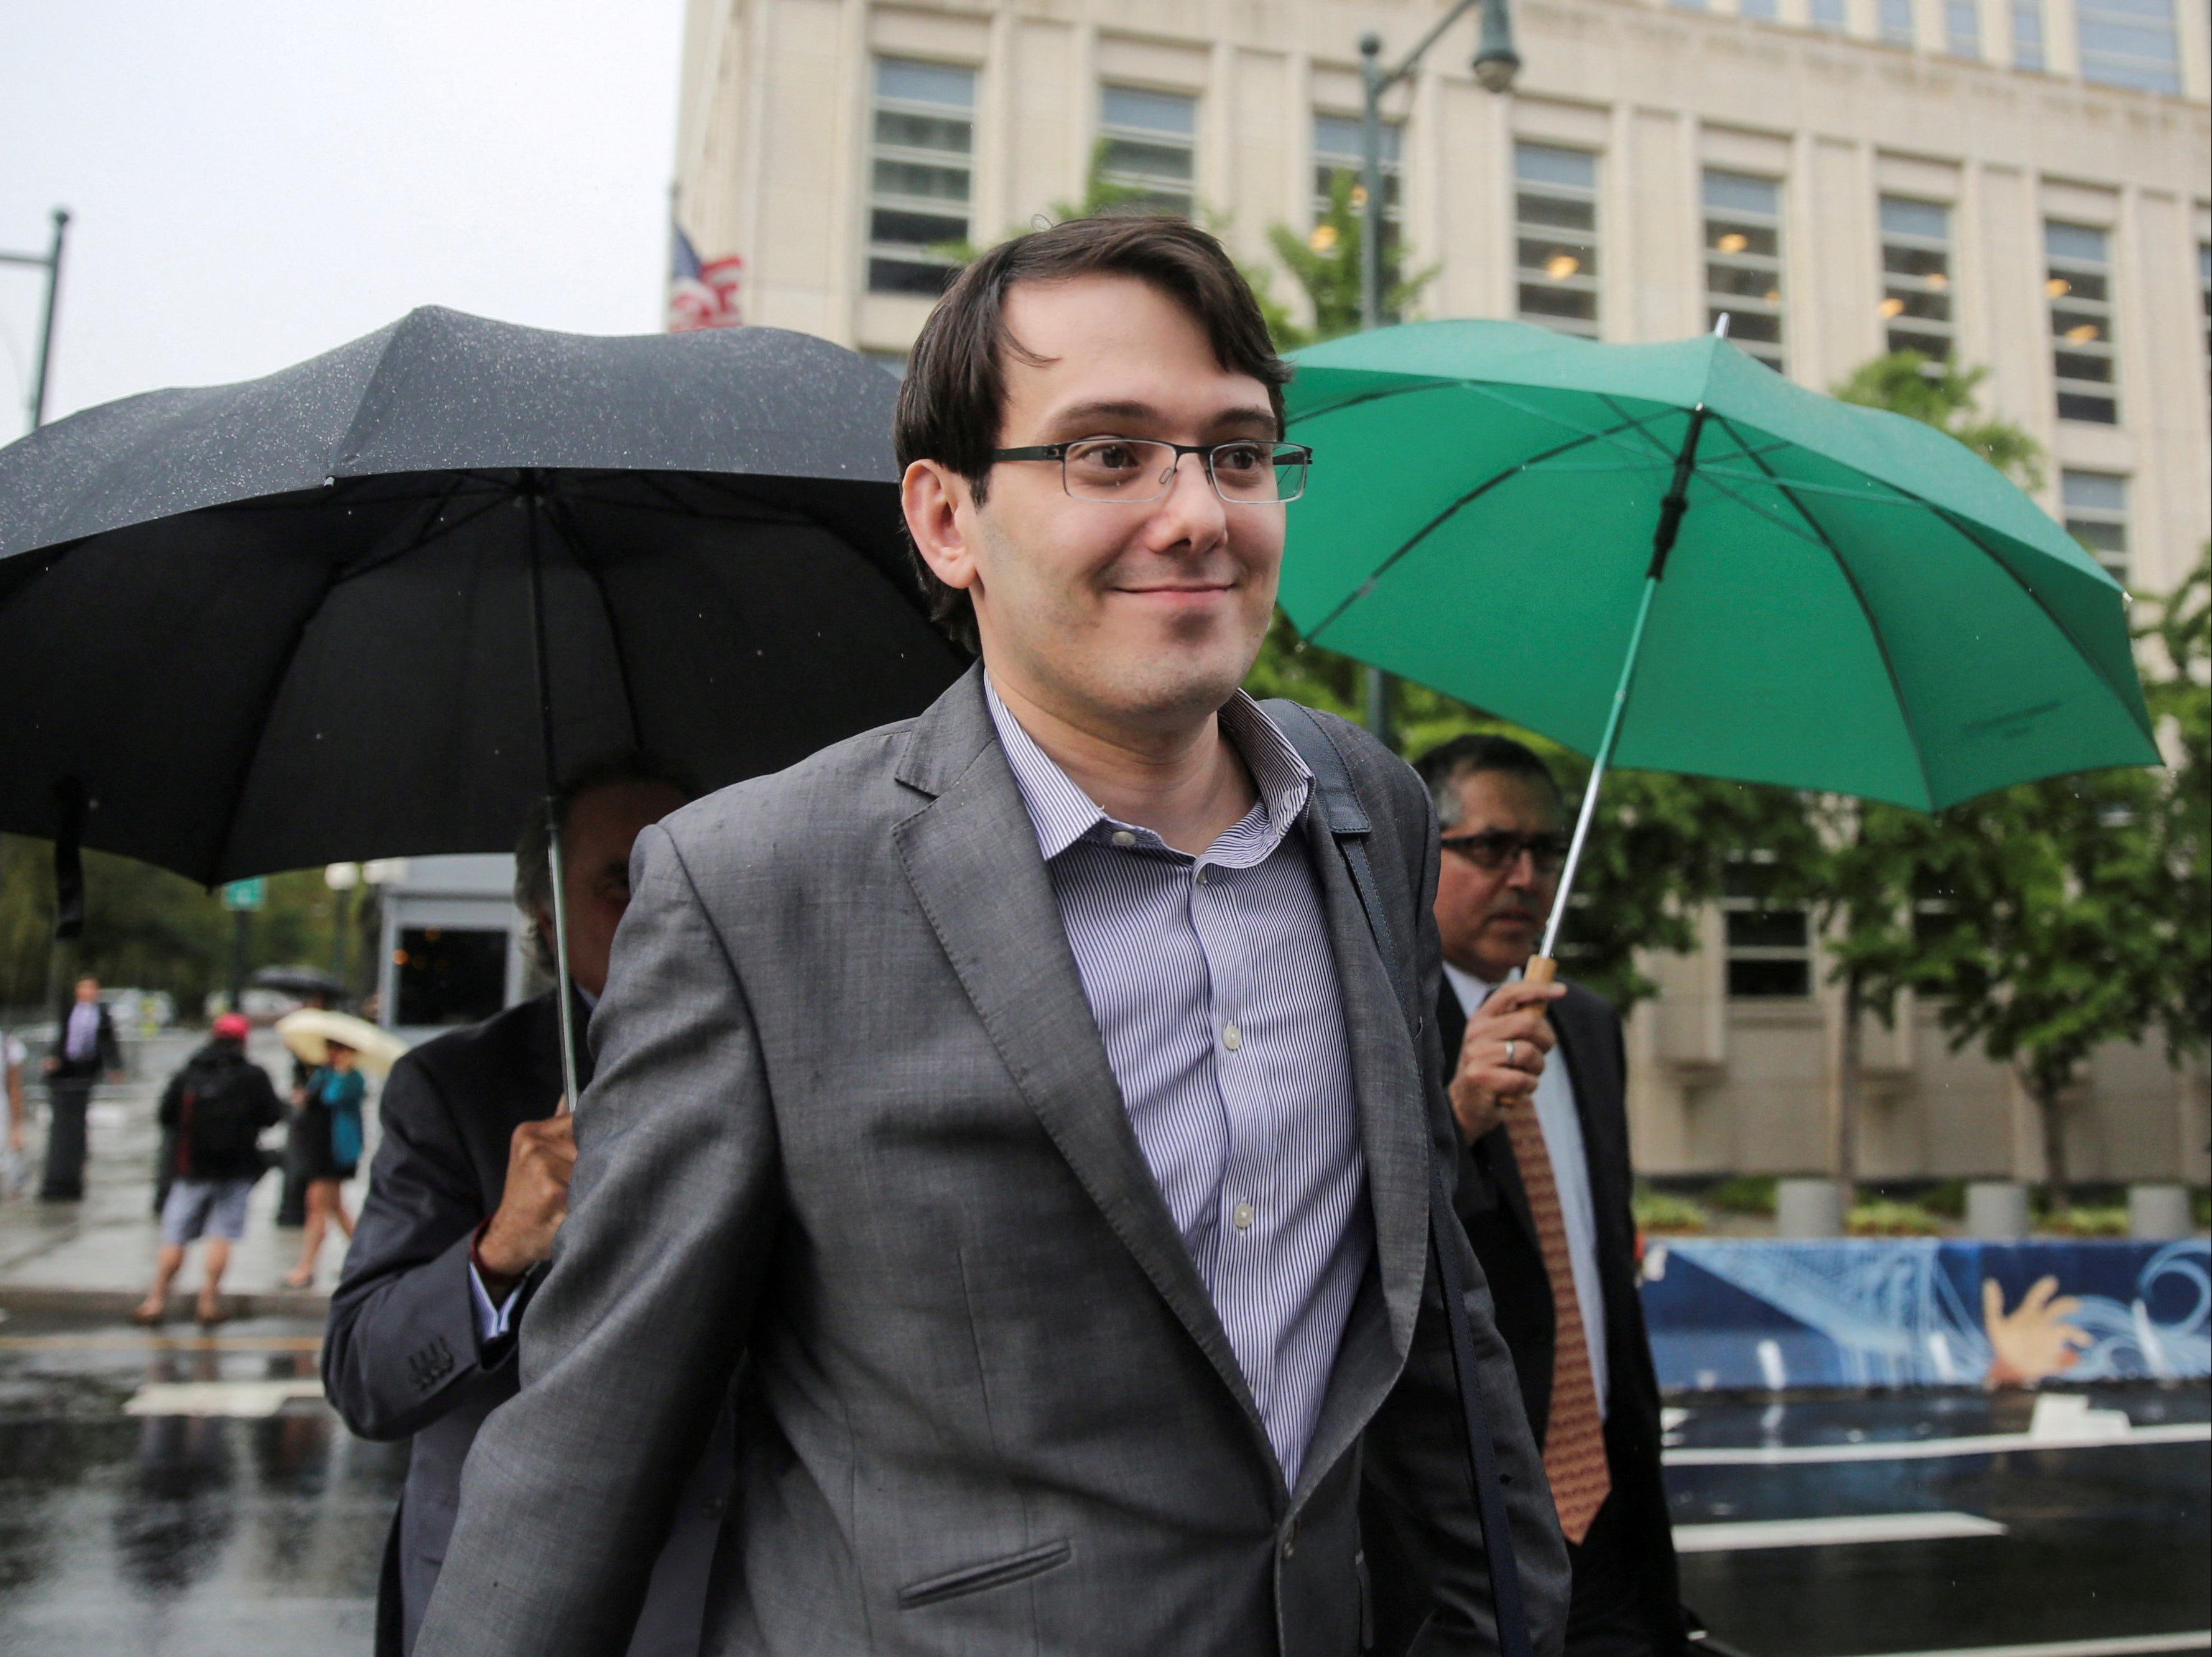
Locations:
(1659, 848)
(1325, 263)
(2178, 688)
(1943, 394)
(2038, 922)
(146, 928)
(1853, 864)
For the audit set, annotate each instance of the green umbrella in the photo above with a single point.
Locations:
(1669, 557)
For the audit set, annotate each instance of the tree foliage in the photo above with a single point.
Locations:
(147, 929)
(1943, 394)
(1325, 263)
(1658, 848)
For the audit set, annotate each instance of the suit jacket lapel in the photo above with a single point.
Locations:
(970, 854)
(1388, 1092)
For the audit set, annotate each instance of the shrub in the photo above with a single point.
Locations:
(1662, 1213)
(1887, 1219)
(1746, 1193)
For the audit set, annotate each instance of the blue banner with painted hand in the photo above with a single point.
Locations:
(1925, 1312)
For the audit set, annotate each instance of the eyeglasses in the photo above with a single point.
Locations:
(1501, 848)
(1135, 470)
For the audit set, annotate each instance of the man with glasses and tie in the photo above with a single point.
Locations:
(1535, 1075)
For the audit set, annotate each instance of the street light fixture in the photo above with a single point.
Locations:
(1496, 64)
(50, 262)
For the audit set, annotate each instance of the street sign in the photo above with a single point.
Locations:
(252, 894)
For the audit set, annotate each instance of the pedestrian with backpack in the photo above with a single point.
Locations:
(213, 1110)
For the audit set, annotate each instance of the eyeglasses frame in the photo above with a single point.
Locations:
(1205, 451)
(1462, 845)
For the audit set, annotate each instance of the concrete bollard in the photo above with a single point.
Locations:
(1807, 1208)
(2158, 1213)
(1997, 1210)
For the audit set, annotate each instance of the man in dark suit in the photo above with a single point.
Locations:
(84, 1047)
(1536, 1078)
(469, 1187)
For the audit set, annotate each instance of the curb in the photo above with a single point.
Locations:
(119, 1302)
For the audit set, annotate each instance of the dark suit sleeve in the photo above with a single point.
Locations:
(111, 1050)
(402, 1334)
(631, 1342)
(1416, 1458)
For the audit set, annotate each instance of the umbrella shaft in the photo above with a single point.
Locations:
(554, 862)
(1589, 812)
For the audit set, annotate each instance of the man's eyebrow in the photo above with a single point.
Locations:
(1082, 419)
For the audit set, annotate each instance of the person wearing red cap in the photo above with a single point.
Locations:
(213, 1110)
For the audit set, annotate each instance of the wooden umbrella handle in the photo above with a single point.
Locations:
(1540, 969)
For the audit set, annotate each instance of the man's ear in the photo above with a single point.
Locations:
(933, 496)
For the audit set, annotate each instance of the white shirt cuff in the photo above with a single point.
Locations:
(492, 1321)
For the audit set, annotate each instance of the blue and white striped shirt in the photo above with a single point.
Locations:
(1213, 982)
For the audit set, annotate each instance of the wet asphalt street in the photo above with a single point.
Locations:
(1814, 1528)
(166, 1535)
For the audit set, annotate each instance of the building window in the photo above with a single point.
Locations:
(1338, 150)
(2027, 34)
(1743, 261)
(919, 178)
(1555, 229)
(1962, 28)
(1764, 11)
(1915, 276)
(2096, 507)
(1770, 947)
(2129, 43)
(1150, 145)
(2078, 282)
(1830, 16)
(1894, 18)
(2204, 292)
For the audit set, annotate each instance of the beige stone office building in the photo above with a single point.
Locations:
(2022, 183)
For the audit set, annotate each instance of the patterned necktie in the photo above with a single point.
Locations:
(1574, 1439)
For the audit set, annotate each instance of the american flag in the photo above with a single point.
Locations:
(700, 293)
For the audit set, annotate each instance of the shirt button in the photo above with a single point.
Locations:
(1240, 1215)
(1123, 837)
(1232, 1038)
(1201, 877)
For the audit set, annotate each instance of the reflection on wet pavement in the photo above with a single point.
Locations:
(2098, 1540)
(209, 1536)
(173, 1536)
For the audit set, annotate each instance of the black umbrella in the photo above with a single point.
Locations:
(298, 980)
(370, 605)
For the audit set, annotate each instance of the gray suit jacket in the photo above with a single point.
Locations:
(401, 1357)
(853, 1116)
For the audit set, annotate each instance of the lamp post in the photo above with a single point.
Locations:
(1496, 64)
(341, 878)
(50, 262)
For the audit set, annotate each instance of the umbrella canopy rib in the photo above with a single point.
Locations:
(564, 526)
(2070, 635)
(1858, 597)
(1439, 522)
(269, 693)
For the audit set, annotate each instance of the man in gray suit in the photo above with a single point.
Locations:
(1020, 1089)
(468, 1190)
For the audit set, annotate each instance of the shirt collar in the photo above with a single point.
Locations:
(1061, 813)
(1473, 992)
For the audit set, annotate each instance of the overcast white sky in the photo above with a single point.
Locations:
(254, 181)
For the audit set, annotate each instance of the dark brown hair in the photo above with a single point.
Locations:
(953, 397)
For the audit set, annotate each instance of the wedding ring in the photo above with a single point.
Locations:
(1508, 1050)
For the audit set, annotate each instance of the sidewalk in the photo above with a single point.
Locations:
(97, 1255)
